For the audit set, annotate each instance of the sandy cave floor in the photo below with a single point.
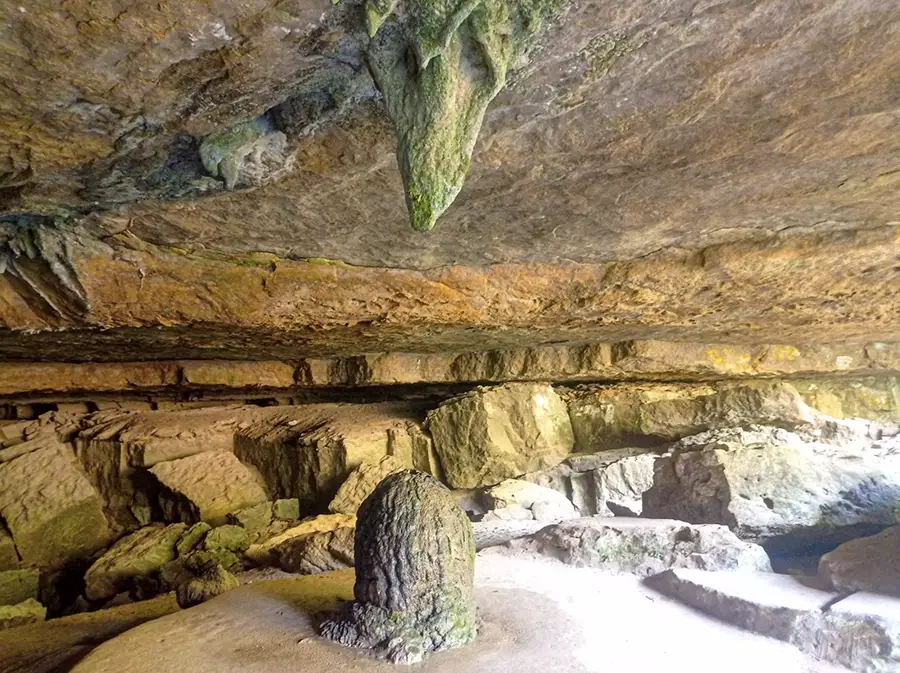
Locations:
(539, 616)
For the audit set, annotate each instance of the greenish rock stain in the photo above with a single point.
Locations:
(222, 153)
(438, 65)
(604, 50)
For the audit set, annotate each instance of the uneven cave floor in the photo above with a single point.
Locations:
(537, 616)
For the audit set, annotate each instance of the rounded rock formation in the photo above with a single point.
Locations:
(415, 570)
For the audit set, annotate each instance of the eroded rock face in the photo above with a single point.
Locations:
(207, 487)
(361, 482)
(517, 500)
(139, 556)
(865, 564)
(641, 546)
(492, 434)
(415, 565)
(50, 507)
(770, 485)
(291, 545)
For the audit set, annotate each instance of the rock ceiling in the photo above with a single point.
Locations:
(679, 169)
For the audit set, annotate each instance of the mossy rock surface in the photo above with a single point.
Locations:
(415, 566)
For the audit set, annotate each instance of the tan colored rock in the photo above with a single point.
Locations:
(96, 377)
(270, 374)
(207, 487)
(872, 398)
(19, 585)
(26, 612)
(50, 507)
(307, 452)
(287, 509)
(492, 434)
(139, 556)
(264, 554)
(317, 552)
(865, 564)
(608, 417)
(361, 482)
(9, 559)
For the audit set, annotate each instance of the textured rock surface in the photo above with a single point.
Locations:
(641, 546)
(859, 632)
(415, 572)
(619, 138)
(607, 483)
(140, 555)
(9, 559)
(633, 415)
(492, 434)
(865, 564)
(207, 487)
(361, 482)
(265, 553)
(307, 452)
(316, 552)
(19, 585)
(515, 499)
(27, 612)
(209, 580)
(50, 507)
(771, 485)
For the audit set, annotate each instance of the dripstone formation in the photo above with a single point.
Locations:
(415, 564)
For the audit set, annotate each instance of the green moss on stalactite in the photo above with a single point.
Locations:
(438, 65)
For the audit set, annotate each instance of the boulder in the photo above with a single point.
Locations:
(865, 564)
(317, 552)
(641, 546)
(50, 507)
(9, 558)
(515, 499)
(192, 538)
(860, 632)
(229, 538)
(207, 487)
(361, 482)
(492, 434)
(495, 533)
(609, 417)
(253, 519)
(773, 487)
(26, 612)
(287, 509)
(266, 552)
(19, 585)
(609, 483)
(308, 451)
(208, 581)
(139, 556)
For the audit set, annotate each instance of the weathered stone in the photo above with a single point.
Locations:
(50, 507)
(286, 508)
(140, 555)
(492, 434)
(861, 632)
(207, 487)
(264, 553)
(26, 612)
(642, 546)
(645, 415)
(307, 452)
(192, 538)
(415, 572)
(495, 533)
(873, 398)
(865, 564)
(516, 499)
(316, 552)
(609, 483)
(789, 494)
(253, 519)
(361, 482)
(230, 538)
(19, 585)
(9, 559)
(209, 579)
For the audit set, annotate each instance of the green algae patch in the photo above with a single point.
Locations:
(438, 65)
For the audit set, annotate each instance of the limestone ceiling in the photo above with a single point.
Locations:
(738, 161)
